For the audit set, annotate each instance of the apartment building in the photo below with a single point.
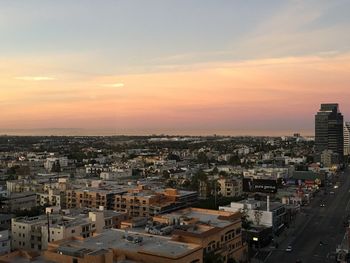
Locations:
(117, 245)
(92, 198)
(19, 186)
(139, 201)
(52, 197)
(19, 201)
(217, 232)
(230, 187)
(144, 202)
(34, 233)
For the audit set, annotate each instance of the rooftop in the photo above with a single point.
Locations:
(212, 218)
(116, 239)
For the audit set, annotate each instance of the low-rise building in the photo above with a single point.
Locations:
(5, 243)
(144, 202)
(218, 232)
(34, 233)
(230, 187)
(52, 197)
(19, 202)
(116, 245)
(269, 214)
(92, 198)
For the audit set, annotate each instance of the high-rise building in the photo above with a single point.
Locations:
(329, 130)
(346, 138)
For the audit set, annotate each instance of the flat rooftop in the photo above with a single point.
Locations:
(115, 239)
(210, 217)
(263, 204)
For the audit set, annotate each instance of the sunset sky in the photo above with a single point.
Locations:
(172, 66)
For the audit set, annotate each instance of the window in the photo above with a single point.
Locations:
(73, 231)
(74, 260)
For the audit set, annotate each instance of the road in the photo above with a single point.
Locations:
(318, 224)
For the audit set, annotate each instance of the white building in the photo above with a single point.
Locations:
(269, 214)
(63, 161)
(115, 174)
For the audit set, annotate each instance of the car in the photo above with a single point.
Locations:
(289, 248)
(331, 193)
(322, 205)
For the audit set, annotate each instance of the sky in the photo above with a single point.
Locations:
(232, 67)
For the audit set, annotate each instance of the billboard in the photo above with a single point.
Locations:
(259, 185)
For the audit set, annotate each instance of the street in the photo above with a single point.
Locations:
(317, 224)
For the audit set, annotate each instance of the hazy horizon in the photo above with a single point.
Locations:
(96, 132)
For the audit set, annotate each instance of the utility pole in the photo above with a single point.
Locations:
(48, 226)
(215, 193)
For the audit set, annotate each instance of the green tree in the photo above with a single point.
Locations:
(202, 157)
(234, 160)
(211, 257)
(56, 167)
(196, 178)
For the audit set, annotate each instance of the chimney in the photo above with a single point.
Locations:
(268, 203)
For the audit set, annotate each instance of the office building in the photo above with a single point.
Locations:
(346, 138)
(329, 130)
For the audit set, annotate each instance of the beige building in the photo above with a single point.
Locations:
(230, 187)
(33, 233)
(144, 202)
(139, 201)
(217, 232)
(91, 198)
(116, 245)
(51, 197)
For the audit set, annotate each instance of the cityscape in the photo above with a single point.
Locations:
(174, 131)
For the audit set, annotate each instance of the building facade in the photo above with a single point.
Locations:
(346, 138)
(230, 187)
(34, 233)
(329, 130)
(5, 243)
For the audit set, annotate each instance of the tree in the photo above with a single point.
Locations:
(202, 157)
(215, 171)
(234, 160)
(198, 176)
(211, 257)
(172, 156)
(246, 223)
(257, 216)
(56, 167)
